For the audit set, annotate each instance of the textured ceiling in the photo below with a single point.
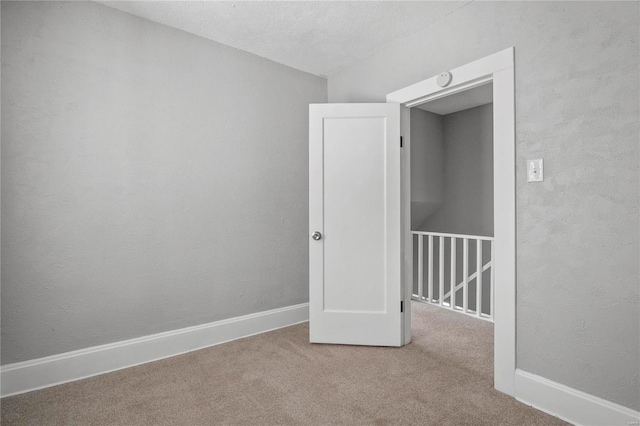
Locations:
(319, 37)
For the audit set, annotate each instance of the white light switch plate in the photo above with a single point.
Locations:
(535, 172)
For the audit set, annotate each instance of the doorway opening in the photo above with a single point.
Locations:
(452, 228)
(496, 72)
(452, 202)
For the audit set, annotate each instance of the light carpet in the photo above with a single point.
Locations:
(444, 377)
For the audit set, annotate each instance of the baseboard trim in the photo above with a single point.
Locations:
(570, 404)
(53, 370)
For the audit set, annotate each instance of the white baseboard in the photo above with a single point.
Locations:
(57, 369)
(570, 404)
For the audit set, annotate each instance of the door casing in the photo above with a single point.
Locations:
(499, 70)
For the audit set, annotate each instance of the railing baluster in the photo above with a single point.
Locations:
(413, 293)
(420, 267)
(430, 295)
(441, 270)
(492, 281)
(452, 297)
(430, 269)
(465, 275)
(478, 277)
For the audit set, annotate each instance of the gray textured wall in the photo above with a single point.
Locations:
(467, 206)
(151, 179)
(427, 165)
(577, 106)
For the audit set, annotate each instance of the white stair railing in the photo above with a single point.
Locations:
(442, 295)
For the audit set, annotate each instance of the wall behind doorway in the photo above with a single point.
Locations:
(427, 165)
(577, 106)
(467, 184)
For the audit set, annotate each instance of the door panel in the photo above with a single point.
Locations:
(354, 202)
(354, 150)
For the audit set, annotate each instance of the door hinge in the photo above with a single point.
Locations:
(402, 306)
(401, 142)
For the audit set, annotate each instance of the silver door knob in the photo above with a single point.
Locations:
(316, 236)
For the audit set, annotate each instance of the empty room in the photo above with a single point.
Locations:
(320, 213)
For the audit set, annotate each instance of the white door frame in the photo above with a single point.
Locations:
(499, 70)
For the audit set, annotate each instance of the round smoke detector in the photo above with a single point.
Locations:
(444, 78)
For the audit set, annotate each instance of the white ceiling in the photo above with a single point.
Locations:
(319, 37)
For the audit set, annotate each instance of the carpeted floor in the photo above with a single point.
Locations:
(444, 377)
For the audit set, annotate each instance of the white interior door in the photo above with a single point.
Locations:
(355, 264)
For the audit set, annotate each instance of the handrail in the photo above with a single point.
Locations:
(471, 277)
(442, 234)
